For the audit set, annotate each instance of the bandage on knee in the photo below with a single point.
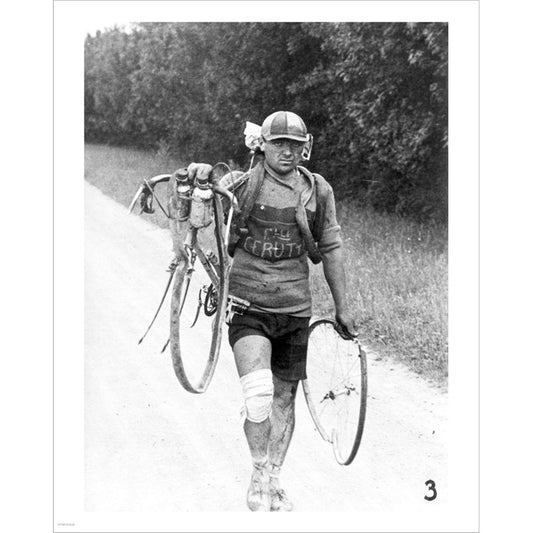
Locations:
(258, 391)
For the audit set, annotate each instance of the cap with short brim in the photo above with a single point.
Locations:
(284, 125)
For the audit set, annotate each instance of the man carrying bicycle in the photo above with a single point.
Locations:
(288, 215)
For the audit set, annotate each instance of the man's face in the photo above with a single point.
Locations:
(283, 155)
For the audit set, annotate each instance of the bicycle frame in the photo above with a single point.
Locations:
(205, 207)
(190, 249)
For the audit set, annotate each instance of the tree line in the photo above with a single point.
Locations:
(374, 95)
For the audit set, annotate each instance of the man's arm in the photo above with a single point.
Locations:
(331, 250)
(334, 273)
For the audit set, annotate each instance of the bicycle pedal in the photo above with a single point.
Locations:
(239, 304)
(236, 306)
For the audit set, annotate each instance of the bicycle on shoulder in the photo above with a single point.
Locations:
(200, 266)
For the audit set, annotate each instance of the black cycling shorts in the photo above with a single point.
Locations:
(287, 334)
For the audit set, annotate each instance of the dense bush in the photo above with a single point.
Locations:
(374, 95)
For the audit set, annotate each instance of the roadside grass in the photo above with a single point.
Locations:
(397, 284)
(118, 173)
(396, 270)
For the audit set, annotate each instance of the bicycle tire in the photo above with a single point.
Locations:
(336, 389)
(194, 363)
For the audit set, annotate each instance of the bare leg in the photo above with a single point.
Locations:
(253, 353)
(257, 435)
(282, 420)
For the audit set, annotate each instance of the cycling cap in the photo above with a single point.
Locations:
(284, 125)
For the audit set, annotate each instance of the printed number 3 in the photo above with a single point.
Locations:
(431, 486)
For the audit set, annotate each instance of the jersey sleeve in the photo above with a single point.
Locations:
(331, 230)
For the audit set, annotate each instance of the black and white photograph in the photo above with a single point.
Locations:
(267, 317)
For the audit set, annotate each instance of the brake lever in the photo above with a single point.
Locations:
(146, 200)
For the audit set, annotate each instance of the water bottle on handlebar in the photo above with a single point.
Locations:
(183, 194)
(201, 213)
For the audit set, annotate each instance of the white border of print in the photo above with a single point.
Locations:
(72, 20)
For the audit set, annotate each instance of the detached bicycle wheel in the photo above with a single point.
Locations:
(198, 307)
(336, 388)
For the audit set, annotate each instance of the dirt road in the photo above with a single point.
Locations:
(151, 446)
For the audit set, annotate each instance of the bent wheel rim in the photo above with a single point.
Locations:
(336, 389)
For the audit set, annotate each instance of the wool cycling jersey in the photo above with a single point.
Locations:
(270, 267)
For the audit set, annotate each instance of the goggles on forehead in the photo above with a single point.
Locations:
(308, 146)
